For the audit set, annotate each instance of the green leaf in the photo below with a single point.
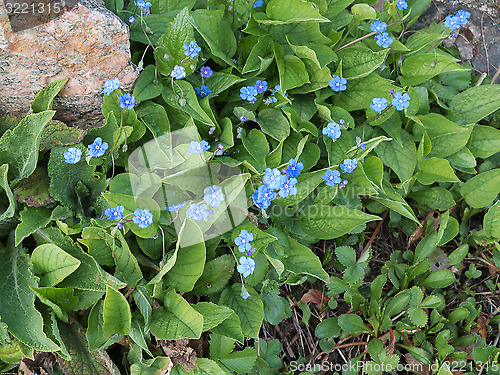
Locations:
(346, 255)
(327, 222)
(274, 123)
(417, 316)
(292, 71)
(438, 279)
(216, 32)
(260, 57)
(400, 155)
(420, 68)
(17, 305)
(391, 199)
(169, 51)
(216, 274)
(474, 104)
(328, 328)
(291, 11)
(255, 142)
(482, 189)
(59, 299)
(318, 53)
(275, 306)
(359, 61)
(53, 264)
(241, 362)
(220, 82)
(491, 221)
(435, 170)
(144, 301)
(363, 12)
(147, 85)
(155, 26)
(458, 255)
(127, 267)
(352, 324)
(213, 314)
(361, 92)
(4, 185)
(301, 260)
(19, 146)
(154, 366)
(82, 361)
(116, 313)
(177, 319)
(484, 141)
(99, 244)
(436, 197)
(31, 220)
(396, 304)
(43, 99)
(57, 133)
(250, 310)
(34, 190)
(190, 260)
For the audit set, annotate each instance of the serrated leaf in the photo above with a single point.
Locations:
(417, 316)
(53, 264)
(116, 313)
(346, 255)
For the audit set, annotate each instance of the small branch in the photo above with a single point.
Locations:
(375, 233)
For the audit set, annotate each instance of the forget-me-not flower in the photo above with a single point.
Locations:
(114, 213)
(258, 4)
(214, 195)
(206, 72)
(332, 130)
(379, 104)
(260, 86)
(142, 4)
(97, 148)
(452, 22)
(198, 211)
(294, 169)
(73, 155)
(378, 26)
(272, 178)
(127, 101)
(111, 85)
(463, 16)
(383, 40)
(332, 177)
(191, 50)
(178, 72)
(348, 165)
(337, 83)
(402, 4)
(263, 196)
(248, 93)
(202, 91)
(401, 101)
(243, 240)
(288, 187)
(143, 218)
(246, 266)
(198, 147)
(175, 207)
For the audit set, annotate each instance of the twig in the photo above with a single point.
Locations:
(374, 233)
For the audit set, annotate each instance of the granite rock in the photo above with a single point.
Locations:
(87, 44)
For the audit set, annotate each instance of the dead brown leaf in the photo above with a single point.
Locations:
(179, 353)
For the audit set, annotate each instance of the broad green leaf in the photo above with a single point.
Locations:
(327, 222)
(57, 133)
(426, 247)
(260, 57)
(438, 279)
(19, 146)
(419, 68)
(474, 104)
(59, 299)
(400, 155)
(491, 221)
(177, 320)
(7, 193)
(230, 327)
(147, 85)
(359, 61)
(291, 11)
(216, 274)
(352, 324)
(220, 82)
(319, 53)
(436, 197)
(116, 313)
(43, 99)
(213, 314)
(53, 264)
(250, 310)
(301, 260)
(482, 189)
(169, 51)
(155, 116)
(397, 303)
(435, 170)
(361, 92)
(463, 158)
(155, 366)
(99, 244)
(34, 190)
(190, 260)
(391, 199)
(292, 71)
(255, 142)
(260, 238)
(144, 301)
(17, 305)
(242, 361)
(127, 267)
(274, 123)
(328, 328)
(156, 24)
(32, 218)
(83, 361)
(216, 32)
(170, 6)
(275, 306)
(417, 316)
(363, 12)
(484, 141)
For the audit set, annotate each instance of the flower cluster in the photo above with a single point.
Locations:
(198, 147)
(191, 50)
(274, 180)
(213, 196)
(383, 39)
(142, 217)
(127, 101)
(456, 21)
(402, 4)
(400, 101)
(337, 83)
(144, 6)
(96, 149)
(271, 98)
(332, 177)
(247, 264)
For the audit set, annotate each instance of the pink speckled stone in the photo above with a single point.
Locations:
(87, 44)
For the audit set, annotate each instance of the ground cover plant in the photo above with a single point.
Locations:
(241, 186)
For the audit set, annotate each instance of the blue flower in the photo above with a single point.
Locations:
(401, 4)
(142, 4)
(198, 147)
(452, 22)
(348, 165)
(206, 72)
(288, 187)
(73, 155)
(175, 207)
(463, 16)
(378, 26)
(214, 195)
(270, 99)
(245, 294)
(114, 213)
(332, 130)
(379, 104)
(198, 211)
(131, 19)
(401, 101)
(359, 144)
(258, 4)
(178, 72)
(243, 240)
(337, 84)
(127, 101)
(143, 218)
(260, 86)
(243, 118)
(272, 178)
(294, 169)
(111, 85)
(246, 266)
(332, 177)
(191, 50)
(277, 88)
(202, 91)
(383, 40)
(263, 196)
(97, 148)
(248, 93)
